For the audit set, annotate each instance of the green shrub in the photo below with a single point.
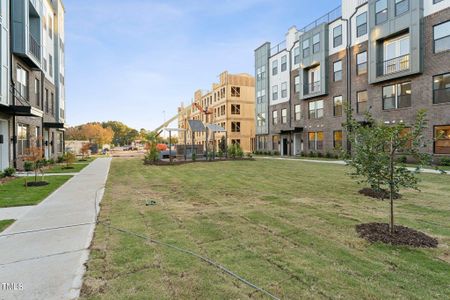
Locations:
(51, 161)
(193, 157)
(239, 152)
(28, 166)
(232, 151)
(319, 154)
(9, 172)
(249, 155)
(152, 154)
(445, 161)
(60, 159)
(328, 155)
(276, 153)
(402, 159)
(312, 154)
(220, 153)
(2, 175)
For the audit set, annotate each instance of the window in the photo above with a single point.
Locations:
(235, 126)
(313, 80)
(361, 102)
(337, 36)
(60, 143)
(283, 63)
(260, 96)
(441, 88)
(396, 55)
(381, 11)
(284, 90)
(337, 101)
(305, 47)
(52, 99)
(337, 139)
(298, 112)
(401, 6)
(236, 142)
(297, 84)
(361, 24)
(437, 1)
(442, 139)
(361, 63)
(261, 73)
(235, 109)
(296, 55)
(222, 93)
(275, 67)
(337, 68)
(316, 109)
(37, 135)
(441, 36)
(37, 91)
(275, 142)
(261, 119)
(315, 140)
(284, 116)
(235, 91)
(50, 27)
(22, 82)
(275, 92)
(22, 139)
(275, 117)
(397, 96)
(316, 43)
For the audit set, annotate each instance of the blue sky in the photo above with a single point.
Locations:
(131, 60)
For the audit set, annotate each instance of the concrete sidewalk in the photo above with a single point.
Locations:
(340, 162)
(48, 264)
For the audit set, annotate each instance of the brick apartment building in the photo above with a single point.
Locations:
(389, 57)
(231, 104)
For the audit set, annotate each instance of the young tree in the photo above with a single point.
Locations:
(85, 148)
(375, 146)
(69, 158)
(34, 157)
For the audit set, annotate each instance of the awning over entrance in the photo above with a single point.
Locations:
(24, 111)
(54, 125)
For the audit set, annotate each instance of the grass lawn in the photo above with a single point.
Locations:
(14, 193)
(5, 224)
(288, 227)
(60, 168)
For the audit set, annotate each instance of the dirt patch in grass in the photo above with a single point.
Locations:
(37, 183)
(382, 194)
(379, 232)
(6, 179)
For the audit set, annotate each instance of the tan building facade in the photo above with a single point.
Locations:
(231, 105)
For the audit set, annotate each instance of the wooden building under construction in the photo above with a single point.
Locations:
(230, 104)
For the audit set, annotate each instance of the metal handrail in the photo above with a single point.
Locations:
(35, 48)
(394, 65)
(312, 87)
(18, 96)
(278, 48)
(327, 18)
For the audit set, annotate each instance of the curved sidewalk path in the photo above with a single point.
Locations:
(48, 264)
(340, 162)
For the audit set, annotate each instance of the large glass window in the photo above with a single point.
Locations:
(296, 55)
(361, 24)
(37, 92)
(397, 96)
(315, 140)
(283, 63)
(284, 116)
(284, 93)
(22, 82)
(275, 117)
(316, 109)
(441, 88)
(401, 6)
(297, 84)
(275, 67)
(442, 139)
(275, 92)
(381, 11)
(316, 43)
(337, 68)
(22, 139)
(361, 63)
(337, 36)
(441, 36)
(298, 112)
(337, 139)
(337, 102)
(362, 98)
(313, 80)
(396, 55)
(305, 47)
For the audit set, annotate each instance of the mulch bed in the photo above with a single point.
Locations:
(183, 162)
(379, 232)
(68, 168)
(383, 194)
(37, 183)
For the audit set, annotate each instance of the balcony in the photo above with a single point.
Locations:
(441, 96)
(35, 48)
(312, 88)
(395, 65)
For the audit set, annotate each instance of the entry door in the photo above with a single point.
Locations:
(47, 146)
(4, 145)
(285, 147)
(298, 144)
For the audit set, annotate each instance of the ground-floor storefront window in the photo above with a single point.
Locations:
(442, 139)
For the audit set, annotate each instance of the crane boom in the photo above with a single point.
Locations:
(167, 123)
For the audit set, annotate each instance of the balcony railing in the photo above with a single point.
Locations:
(278, 48)
(394, 65)
(328, 18)
(311, 88)
(441, 96)
(35, 48)
(361, 2)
